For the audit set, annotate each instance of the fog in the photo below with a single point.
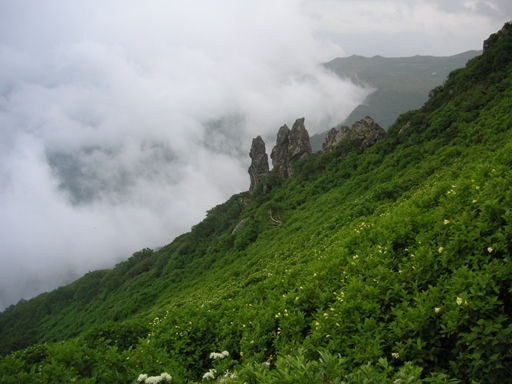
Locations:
(123, 122)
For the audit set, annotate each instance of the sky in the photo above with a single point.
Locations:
(123, 122)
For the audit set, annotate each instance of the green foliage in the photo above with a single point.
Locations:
(296, 369)
(393, 263)
(123, 335)
(247, 235)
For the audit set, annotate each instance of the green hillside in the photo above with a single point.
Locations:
(388, 266)
(401, 84)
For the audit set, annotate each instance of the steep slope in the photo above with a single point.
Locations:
(398, 257)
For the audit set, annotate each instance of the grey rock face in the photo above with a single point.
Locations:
(299, 146)
(239, 226)
(333, 137)
(330, 140)
(259, 165)
(366, 133)
(279, 153)
(290, 145)
(404, 128)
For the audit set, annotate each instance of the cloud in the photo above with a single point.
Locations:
(499, 10)
(123, 122)
(395, 28)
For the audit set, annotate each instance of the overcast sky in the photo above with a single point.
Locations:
(122, 122)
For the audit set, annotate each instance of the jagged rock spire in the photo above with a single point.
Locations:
(290, 145)
(259, 164)
(279, 153)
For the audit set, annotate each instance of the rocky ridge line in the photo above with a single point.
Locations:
(294, 145)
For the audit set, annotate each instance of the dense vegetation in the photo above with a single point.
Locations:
(388, 265)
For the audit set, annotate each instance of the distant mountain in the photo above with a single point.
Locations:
(401, 83)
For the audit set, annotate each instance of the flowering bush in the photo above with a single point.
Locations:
(154, 379)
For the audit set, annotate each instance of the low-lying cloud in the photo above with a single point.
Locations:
(122, 123)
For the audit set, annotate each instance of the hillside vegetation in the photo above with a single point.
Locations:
(388, 266)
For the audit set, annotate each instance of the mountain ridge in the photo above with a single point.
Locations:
(394, 94)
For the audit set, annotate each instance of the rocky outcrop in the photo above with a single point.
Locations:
(239, 226)
(495, 37)
(259, 165)
(299, 147)
(365, 132)
(294, 144)
(291, 145)
(402, 130)
(279, 153)
(333, 137)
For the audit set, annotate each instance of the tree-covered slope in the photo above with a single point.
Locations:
(393, 264)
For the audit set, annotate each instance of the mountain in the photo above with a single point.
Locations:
(401, 84)
(389, 263)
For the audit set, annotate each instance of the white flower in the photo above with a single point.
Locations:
(166, 376)
(142, 378)
(459, 301)
(231, 375)
(446, 222)
(153, 380)
(210, 375)
(441, 249)
(215, 355)
(395, 355)
(490, 249)
(438, 310)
